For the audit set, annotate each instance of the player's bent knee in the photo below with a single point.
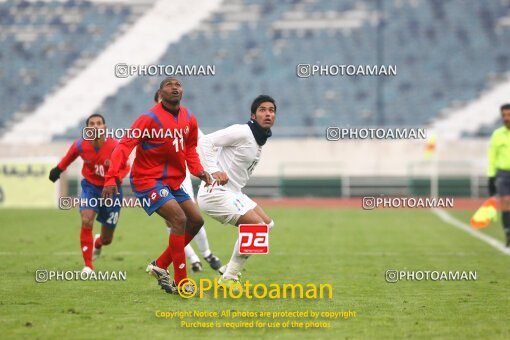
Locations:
(178, 224)
(87, 222)
(197, 223)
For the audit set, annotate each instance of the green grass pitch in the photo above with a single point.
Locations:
(348, 248)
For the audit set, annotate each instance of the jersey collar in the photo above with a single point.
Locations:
(261, 135)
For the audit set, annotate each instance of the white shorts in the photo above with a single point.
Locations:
(224, 205)
(187, 186)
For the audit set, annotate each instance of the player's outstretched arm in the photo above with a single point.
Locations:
(70, 156)
(120, 155)
(193, 160)
(208, 145)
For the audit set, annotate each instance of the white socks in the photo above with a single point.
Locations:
(237, 260)
(190, 254)
(202, 242)
(236, 263)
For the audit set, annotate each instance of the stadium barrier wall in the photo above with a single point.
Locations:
(316, 167)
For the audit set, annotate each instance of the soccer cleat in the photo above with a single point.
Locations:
(161, 275)
(223, 269)
(87, 270)
(230, 284)
(186, 290)
(213, 261)
(97, 251)
(196, 267)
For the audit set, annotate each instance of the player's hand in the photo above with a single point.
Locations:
(221, 177)
(109, 191)
(206, 177)
(55, 174)
(492, 186)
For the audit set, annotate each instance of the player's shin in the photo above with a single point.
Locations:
(236, 263)
(86, 241)
(202, 242)
(190, 254)
(165, 259)
(506, 223)
(178, 257)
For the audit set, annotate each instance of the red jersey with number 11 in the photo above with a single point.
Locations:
(166, 144)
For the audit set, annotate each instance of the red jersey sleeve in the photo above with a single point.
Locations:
(124, 170)
(192, 159)
(120, 155)
(70, 156)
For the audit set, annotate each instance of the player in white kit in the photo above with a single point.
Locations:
(236, 151)
(201, 237)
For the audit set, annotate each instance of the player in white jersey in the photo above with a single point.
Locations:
(201, 237)
(236, 151)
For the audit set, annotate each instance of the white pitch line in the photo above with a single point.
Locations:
(443, 215)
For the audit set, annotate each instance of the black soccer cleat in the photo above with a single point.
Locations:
(196, 267)
(162, 276)
(213, 261)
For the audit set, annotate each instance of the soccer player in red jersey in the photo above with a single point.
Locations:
(166, 140)
(96, 160)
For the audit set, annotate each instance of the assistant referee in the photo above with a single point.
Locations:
(499, 168)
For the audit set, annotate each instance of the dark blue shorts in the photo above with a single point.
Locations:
(91, 200)
(503, 182)
(158, 196)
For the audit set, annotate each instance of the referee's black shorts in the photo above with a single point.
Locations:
(503, 182)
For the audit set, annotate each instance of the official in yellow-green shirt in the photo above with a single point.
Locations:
(499, 168)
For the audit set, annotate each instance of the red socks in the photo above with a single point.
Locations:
(98, 243)
(178, 257)
(87, 240)
(165, 258)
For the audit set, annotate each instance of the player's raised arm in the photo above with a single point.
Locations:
(119, 159)
(209, 144)
(192, 159)
(70, 156)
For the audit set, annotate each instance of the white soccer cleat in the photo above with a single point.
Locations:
(97, 251)
(223, 269)
(87, 270)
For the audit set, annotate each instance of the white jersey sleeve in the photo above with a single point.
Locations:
(233, 150)
(209, 145)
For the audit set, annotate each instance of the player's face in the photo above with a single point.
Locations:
(265, 115)
(97, 123)
(171, 91)
(505, 114)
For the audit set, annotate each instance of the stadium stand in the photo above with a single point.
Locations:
(43, 43)
(248, 40)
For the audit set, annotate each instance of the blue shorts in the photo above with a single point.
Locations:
(90, 195)
(158, 196)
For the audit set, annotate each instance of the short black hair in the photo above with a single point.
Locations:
(504, 107)
(167, 79)
(263, 98)
(156, 96)
(94, 115)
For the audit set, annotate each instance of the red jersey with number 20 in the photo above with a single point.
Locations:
(96, 162)
(166, 144)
